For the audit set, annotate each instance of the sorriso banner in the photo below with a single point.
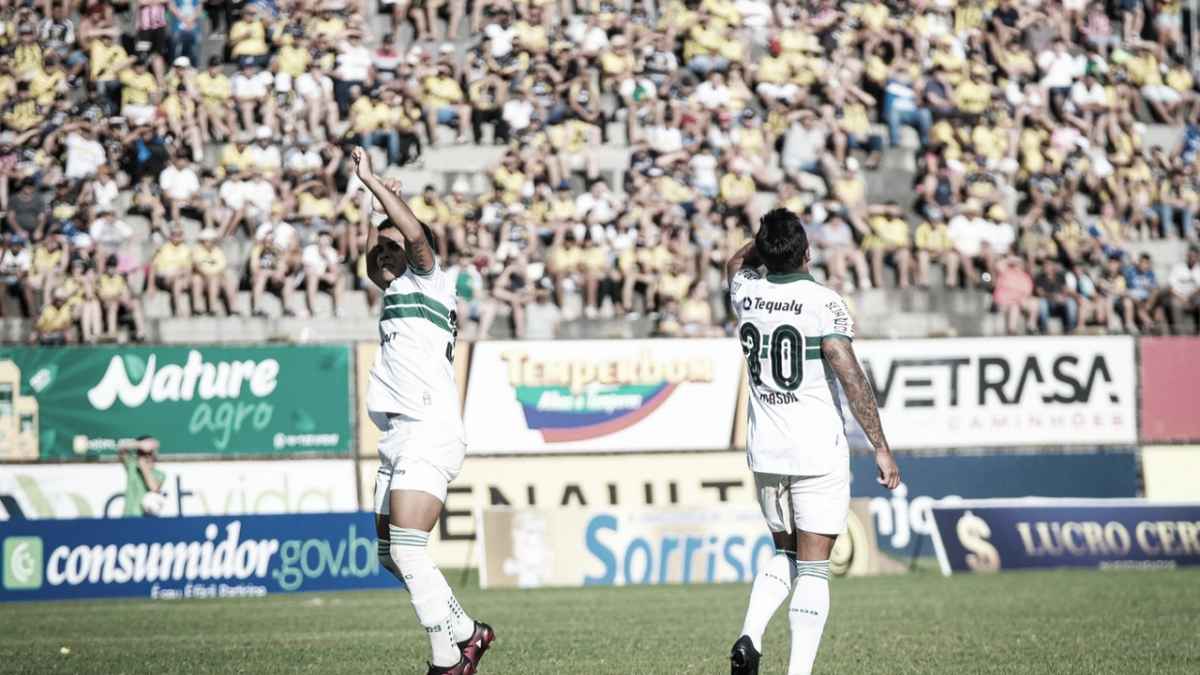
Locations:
(191, 488)
(531, 548)
(74, 402)
(991, 535)
(985, 392)
(175, 558)
(1170, 371)
(602, 395)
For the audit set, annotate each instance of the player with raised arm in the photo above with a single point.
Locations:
(413, 398)
(796, 335)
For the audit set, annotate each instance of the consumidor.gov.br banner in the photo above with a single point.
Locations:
(80, 402)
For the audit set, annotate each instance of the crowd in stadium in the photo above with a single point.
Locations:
(1024, 119)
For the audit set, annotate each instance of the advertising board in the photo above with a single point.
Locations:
(177, 558)
(76, 402)
(1169, 373)
(993, 535)
(45, 491)
(570, 396)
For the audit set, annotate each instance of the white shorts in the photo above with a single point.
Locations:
(416, 455)
(817, 504)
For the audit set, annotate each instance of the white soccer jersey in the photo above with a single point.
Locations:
(413, 373)
(796, 426)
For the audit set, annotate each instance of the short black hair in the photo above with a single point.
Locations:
(781, 241)
(429, 234)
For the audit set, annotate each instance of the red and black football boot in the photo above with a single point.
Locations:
(463, 667)
(473, 647)
(743, 659)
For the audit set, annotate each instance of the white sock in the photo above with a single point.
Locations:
(462, 626)
(771, 587)
(428, 591)
(385, 559)
(807, 612)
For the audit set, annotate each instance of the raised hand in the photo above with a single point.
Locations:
(362, 163)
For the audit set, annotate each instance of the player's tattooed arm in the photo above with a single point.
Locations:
(839, 354)
(419, 250)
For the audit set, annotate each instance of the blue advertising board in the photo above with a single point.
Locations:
(991, 535)
(902, 518)
(192, 557)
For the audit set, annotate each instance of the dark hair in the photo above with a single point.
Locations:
(433, 240)
(781, 241)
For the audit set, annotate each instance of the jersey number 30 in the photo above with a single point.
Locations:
(783, 349)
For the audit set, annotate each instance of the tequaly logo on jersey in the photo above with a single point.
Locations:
(771, 306)
(581, 399)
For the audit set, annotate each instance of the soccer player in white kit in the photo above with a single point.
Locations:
(413, 398)
(796, 336)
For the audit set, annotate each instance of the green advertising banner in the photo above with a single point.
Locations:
(59, 403)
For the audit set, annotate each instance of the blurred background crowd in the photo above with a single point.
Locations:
(593, 162)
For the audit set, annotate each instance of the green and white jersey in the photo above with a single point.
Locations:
(413, 374)
(796, 426)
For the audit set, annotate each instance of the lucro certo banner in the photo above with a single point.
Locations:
(176, 558)
(991, 535)
(985, 392)
(37, 491)
(531, 548)
(602, 395)
(74, 402)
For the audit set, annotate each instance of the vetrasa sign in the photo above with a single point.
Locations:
(1000, 392)
(188, 557)
(194, 400)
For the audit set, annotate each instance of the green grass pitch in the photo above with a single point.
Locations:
(1032, 622)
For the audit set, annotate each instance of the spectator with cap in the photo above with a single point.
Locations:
(253, 91)
(270, 268)
(54, 325)
(211, 281)
(170, 270)
(15, 262)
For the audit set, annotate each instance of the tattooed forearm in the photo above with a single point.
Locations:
(840, 356)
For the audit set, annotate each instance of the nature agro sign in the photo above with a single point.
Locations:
(602, 395)
(223, 400)
(178, 558)
(985, 392)
(991, 535)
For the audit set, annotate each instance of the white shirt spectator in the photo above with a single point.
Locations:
(233, 193)
(255, 86)
(303, 160)
(15, 263)
(1083, 95)
(179, 184)
(318, 260)
(664, 140)
(353, 62)
(84, 156)
(704, 173)
(310, 86)
(968, 234)
(1000, 237)
(599, 209)
(1059, 68)
(501, 37)
(1184, 281)
(518, 112)
(594, 41)
(755, 13)
(712, 96)
(259, 195)
(110, 232)
(266, 159)
(104, 193)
